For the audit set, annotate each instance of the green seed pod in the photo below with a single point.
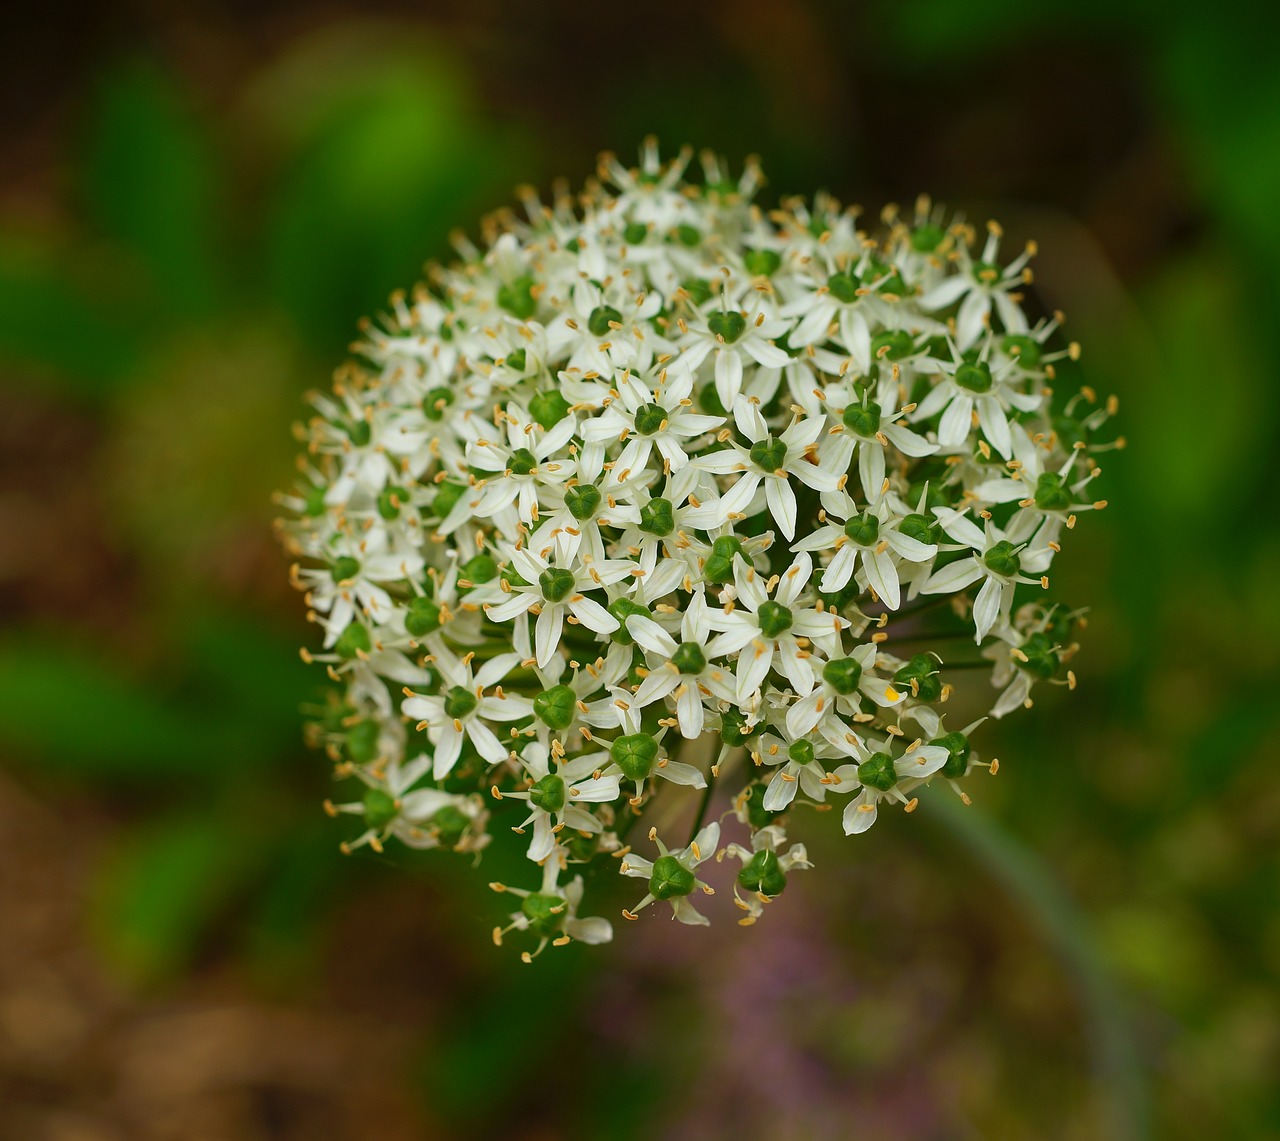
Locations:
(635, 754)
(689, 658)
(380, 808)
(762, 263)
(353, 641)
(927, 238)
(362, 741)
(763, 874)
(801, 752)
(622, 609)
(436, 403)
(1025, 350)
(450, 825)
(459, 702)
(878, 772)
(583, 501)
(556, 584)
(719, 566)
(391, 500)
(314, 497)
(958, 750)
(730, 325)
(699, 291)
(650, 418)
(768, 455)
(658, 517)
(774, 618)
(1042, 657)
(863, 419)
(893, 344)
(423, 617)
(522, 462)
(923, 670)
(599, 323)
(545, 913)
(446, 498)
(863, 529)
(548, 409)
(843, 675)
(555, 707)
(345, 569)
(975, 377)
(549, 794)
(670, 878)
(844, 286)
(1003, 559)
(517, 298)
(921, 528)
(479, 568)
(734, 730)
(1050, 495)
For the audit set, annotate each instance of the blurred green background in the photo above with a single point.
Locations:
(197, 202)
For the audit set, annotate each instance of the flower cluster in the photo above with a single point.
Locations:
(659, 488)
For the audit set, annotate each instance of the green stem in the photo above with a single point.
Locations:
(938, 637)
(703, 804)
(1116, 1060)
(633, 816)
(918, 608)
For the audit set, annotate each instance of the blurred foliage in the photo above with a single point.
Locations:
(211, 268)
(192, 329)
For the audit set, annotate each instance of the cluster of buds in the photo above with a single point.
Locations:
(659, 488)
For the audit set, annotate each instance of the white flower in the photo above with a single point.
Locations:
(352, 583)
(650, 417)
(771, 461)
(551, 913)
(463, 710)
(554, 796)
(997, 561)
(563, 510)
(880, 776)
(801, 764)
(417, 817)
(764, 872)
(764, 632)
(602, 332)
(574, 512)
(842, 301)
(634, 755)
(1028, 650)
(685, 673)
(524, 462)
(1043, 483)
(553, 592)
(870, 537)
(973, 389)
(837, 699)
(978, 286)
(663, 541)
(351, 433)
(672, 877)
(734, 334)
(863, 426)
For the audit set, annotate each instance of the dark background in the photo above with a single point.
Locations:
(198, 201)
